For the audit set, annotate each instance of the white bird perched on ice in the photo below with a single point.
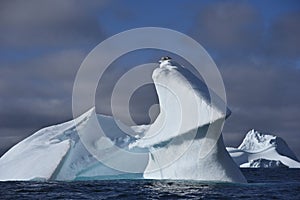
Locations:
(164, 60)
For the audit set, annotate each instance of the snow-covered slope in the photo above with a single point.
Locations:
(57, 152)
(184, 142)
(258, 148)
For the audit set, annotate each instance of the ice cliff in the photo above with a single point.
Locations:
(185, 141)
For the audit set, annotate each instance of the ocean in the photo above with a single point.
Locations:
(277, 183)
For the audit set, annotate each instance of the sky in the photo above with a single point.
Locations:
(255, 44)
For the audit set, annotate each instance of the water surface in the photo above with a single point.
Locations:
(262, 184)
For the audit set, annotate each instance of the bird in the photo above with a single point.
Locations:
(164, 58)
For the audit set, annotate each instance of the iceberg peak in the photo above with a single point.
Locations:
(255, 141)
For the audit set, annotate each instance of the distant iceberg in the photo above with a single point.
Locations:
(184, 142)
(260, 150)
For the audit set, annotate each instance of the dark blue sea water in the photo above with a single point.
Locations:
(263, 184)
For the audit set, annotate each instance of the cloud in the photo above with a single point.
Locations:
(258, 61)
(263, 97)
(224, 26)
(37, 92)
(237, 32)
(283, 39)
(26, 78)
(52, 22)
(42, 45)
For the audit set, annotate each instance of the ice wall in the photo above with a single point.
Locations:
(185, 141)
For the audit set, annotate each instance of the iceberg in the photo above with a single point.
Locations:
(264, 151)
(184, 142)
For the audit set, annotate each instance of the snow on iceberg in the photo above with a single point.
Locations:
(57, 153)
(263, 150)
(264, 163)
(184, 142)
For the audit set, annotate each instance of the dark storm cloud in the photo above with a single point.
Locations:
(51, 22)
(229, 27)
(258, 60)
(42, 45)
(283, 39)
(264, 97)
(235, 32)
(40, 88)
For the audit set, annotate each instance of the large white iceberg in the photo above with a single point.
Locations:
(264, 151)
(184, 142)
